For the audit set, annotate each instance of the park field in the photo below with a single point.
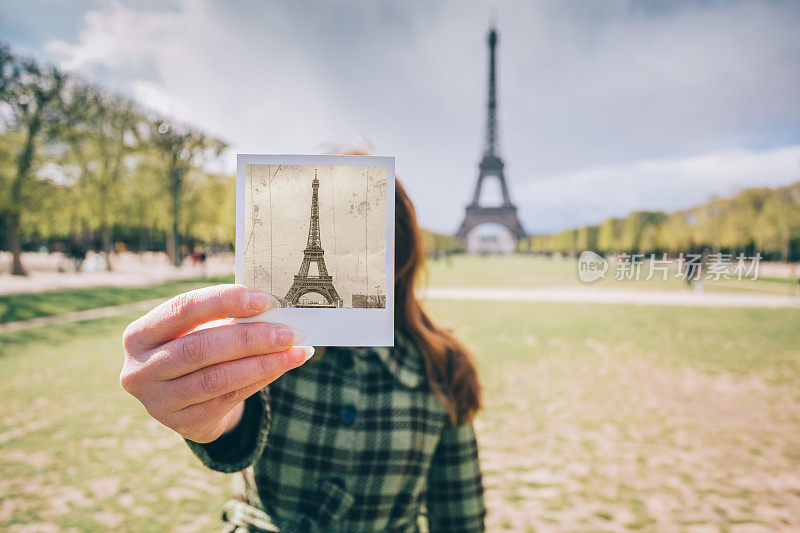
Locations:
(26, 306)
(513, 271)
(597, 418)
(528, 271)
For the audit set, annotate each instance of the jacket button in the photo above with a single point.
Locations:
(347, 414)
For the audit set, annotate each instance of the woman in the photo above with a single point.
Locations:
(355, 439)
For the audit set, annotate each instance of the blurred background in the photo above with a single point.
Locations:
(664, 137)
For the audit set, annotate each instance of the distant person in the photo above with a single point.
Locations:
(76, 252)
(198, 258)
(357, 439)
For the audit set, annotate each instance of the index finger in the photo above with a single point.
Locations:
(183, 313)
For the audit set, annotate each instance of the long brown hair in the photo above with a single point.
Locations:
(448, 363)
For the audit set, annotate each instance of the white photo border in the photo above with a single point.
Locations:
(327, 327)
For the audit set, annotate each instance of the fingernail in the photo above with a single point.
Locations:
(286, 336)
(257, 300)
(309, 351)
(301, 354)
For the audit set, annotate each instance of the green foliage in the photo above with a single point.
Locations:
(441, 243)
(31, 96)
(609, 237)
(587, 238)
(77, 161)
(640, 231)
(181, 149)
(756, 220)
(210, 213)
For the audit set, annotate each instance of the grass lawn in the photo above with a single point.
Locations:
(26, 306)
(531, 271)
(598, 417)
(78, 452)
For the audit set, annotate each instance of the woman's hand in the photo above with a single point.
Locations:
(196, 380)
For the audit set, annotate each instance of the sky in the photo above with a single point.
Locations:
(604, 106)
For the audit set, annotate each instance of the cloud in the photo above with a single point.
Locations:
(108, 35)
(583, 86)
(186, 64)
(592, 195)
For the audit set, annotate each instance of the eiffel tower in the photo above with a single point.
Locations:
(322, 283)
(491, 166)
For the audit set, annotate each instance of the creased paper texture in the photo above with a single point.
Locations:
(315, 236)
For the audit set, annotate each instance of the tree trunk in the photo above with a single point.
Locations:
(176, 243)
(106, 236)
(24, 164)
(15, 245)
(176, 185)
(143, 244)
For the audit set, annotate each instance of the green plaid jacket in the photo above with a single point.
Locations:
(352, 441)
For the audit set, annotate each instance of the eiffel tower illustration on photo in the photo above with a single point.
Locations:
(491, 166)
(322, 283)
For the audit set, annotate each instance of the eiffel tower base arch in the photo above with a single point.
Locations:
(505, 216)
(322, 285)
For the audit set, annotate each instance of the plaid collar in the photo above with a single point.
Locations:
(403, 360)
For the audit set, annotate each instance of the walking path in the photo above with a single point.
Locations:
(613, 296)
(130, 270)
(541, 294)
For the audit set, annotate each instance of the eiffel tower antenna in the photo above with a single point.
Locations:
(491, 165)
(322, 283)
(313, 227)
(491, 116)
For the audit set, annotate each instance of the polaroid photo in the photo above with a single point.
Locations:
(317, 232)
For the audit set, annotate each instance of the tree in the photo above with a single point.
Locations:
(609, 235)
(675, 235)
(102, 131)
(639, 231)
(181, 148)
(144, 202)
(587, 238)
(210, 207)
(31, 98)
(739, 221)
(776, 224)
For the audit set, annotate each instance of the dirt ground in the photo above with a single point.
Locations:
(652, 450)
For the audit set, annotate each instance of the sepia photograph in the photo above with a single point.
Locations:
(315, 236)
(313, 232)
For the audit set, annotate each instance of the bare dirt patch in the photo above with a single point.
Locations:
(601, 444)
